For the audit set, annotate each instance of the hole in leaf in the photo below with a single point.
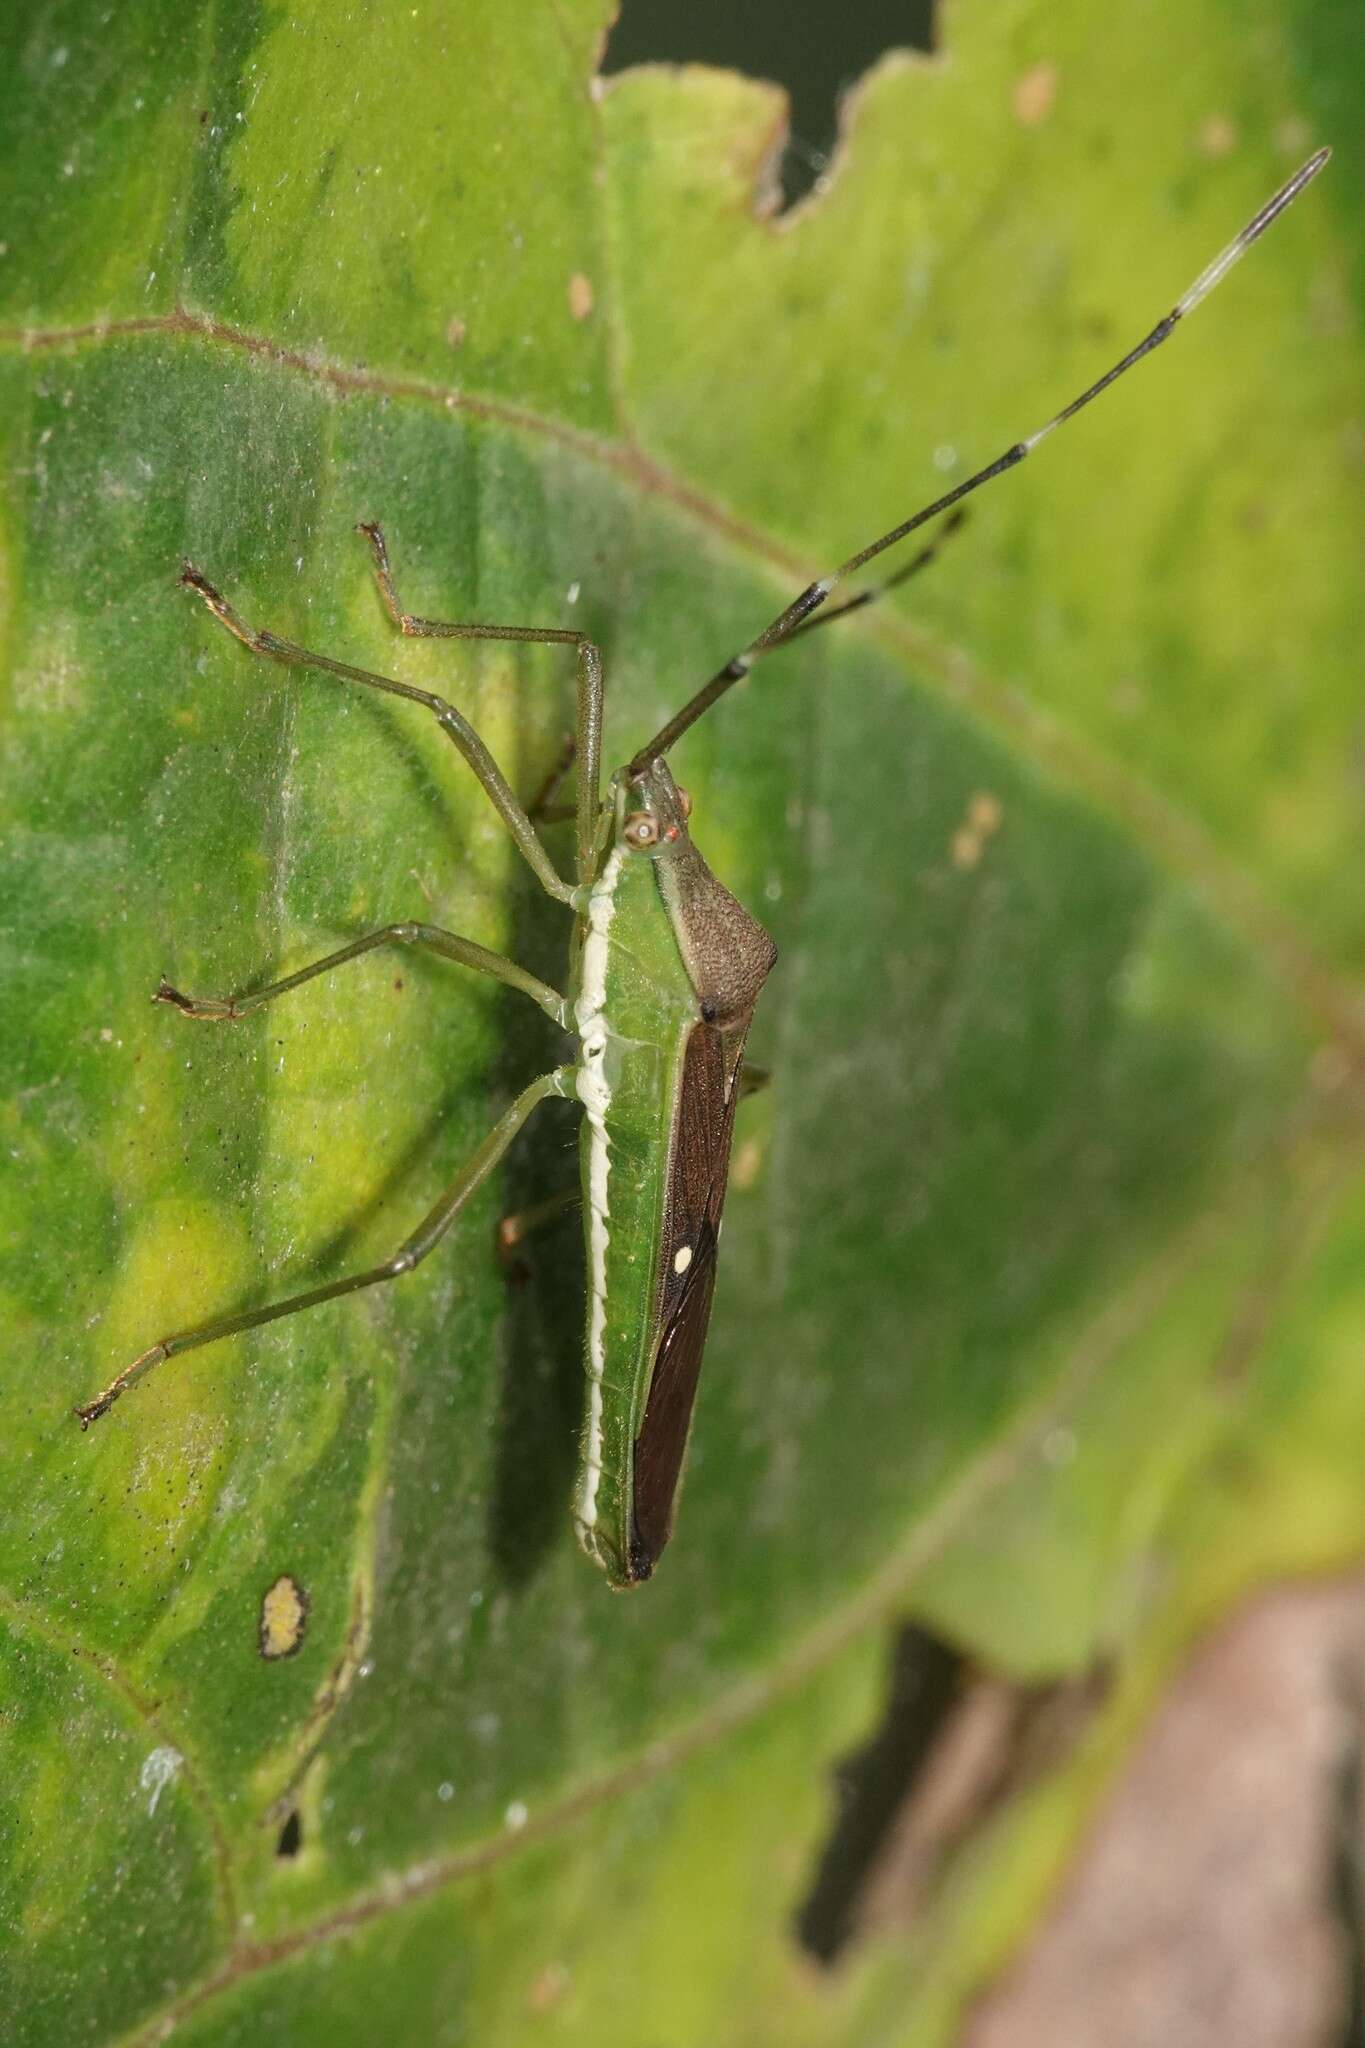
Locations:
(291, 1835)
(954, 1743)
(816, 52)
(872, 1785)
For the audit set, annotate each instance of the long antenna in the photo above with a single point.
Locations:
(789, 622)
(872, 593)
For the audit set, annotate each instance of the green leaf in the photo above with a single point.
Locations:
(1040, 1312)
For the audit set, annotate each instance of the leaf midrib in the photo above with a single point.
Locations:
(1175, 839)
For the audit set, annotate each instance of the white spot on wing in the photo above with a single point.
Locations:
(682, 1258)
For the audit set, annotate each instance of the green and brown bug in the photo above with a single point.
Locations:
(666, 968)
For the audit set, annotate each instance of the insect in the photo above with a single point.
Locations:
(665, 970)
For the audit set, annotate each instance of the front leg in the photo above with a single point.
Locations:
(452, 722)
(588, 740)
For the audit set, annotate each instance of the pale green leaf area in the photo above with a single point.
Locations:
(1041, 1310)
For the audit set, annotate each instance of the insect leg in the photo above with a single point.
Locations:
(588, 744)
(410, 1253)
(229, 1008)
(452, 722)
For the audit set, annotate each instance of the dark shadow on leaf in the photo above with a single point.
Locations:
(541, 1361)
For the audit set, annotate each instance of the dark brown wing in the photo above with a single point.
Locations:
(698, 1170)
(662, 1442)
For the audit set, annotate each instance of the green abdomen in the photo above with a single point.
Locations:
(628, 1086)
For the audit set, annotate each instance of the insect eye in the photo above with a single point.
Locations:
(685, 802)
(641, 829)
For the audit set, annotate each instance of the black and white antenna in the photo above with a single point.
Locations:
(797, 614)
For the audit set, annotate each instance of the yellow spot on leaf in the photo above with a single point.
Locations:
(160, 1451)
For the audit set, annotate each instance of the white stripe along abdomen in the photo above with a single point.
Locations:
(634, 1007)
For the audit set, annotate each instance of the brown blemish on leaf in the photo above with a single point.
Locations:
(333, 1690)
(1035, 94)
(984, 815)
(548, 1989)
(580, 296)
(284, 1616)
(1218, 136)
(456, 331)
(748, 1163)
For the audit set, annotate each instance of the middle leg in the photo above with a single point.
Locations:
(227, 1009)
